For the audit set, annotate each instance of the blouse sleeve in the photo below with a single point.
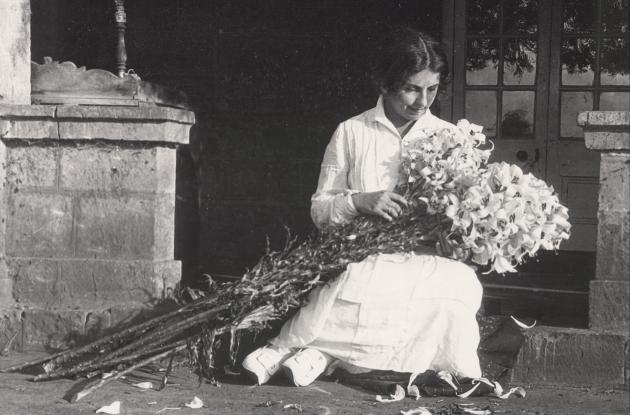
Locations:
(332, 202)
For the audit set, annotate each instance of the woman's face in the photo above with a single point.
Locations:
(413, 98)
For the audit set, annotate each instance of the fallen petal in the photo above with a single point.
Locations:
(518, 391)
(168, 409)
(399, 395)
(112, 409)
(267, 404)
(414, 392)
(196, 403)
(477, 411)
(521, 324)
(421, 410)
(295, 406)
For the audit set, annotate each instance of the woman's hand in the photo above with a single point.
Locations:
(387, 205)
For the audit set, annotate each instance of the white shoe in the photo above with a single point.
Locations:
(261, 364)
(305, 366)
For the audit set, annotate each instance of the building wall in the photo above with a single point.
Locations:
(268, 82)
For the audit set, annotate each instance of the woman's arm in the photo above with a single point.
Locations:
(332, 202)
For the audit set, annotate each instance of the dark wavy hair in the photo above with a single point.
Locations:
(404, 52)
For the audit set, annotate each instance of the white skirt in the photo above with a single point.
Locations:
(398, 312)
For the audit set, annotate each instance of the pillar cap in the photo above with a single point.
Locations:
(606, 130)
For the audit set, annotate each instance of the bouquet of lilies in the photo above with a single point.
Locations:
(494, 214)
(488, 214)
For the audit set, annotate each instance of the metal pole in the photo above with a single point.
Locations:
(121, 24)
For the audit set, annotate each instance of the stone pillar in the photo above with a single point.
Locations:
(88, 200)
(15, 52)
(609, 133)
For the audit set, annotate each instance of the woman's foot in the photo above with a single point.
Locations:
(305, 366)
(261, 364)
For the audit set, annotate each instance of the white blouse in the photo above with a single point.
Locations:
(363, 155)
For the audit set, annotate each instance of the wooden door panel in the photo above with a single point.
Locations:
(527, 154)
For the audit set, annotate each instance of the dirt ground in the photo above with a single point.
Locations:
(20, 396)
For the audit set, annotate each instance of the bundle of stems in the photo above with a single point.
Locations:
(275, 287)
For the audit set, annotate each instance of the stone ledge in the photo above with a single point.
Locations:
(91, 122)
(115, 114)
(588, 119)
(576, 357)
(27, 111)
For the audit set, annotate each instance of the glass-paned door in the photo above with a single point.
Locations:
(498, 84)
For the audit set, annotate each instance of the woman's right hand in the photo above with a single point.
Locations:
(387, 205)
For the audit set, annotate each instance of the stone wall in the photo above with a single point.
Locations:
(88, 209)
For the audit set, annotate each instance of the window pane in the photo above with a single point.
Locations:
(520, 16)
(518, 114)
(482, 58)
(519, 62)
(578, 16)
(571, 104)
(481, 108)
(615, 16)
(614, 101)
(482, 16)
(578, 61)
(615, 62)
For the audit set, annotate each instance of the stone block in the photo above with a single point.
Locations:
(115, 169)
(10, 326)
(52, 329)
(89, 284)
(614, 182)
(6, 292)
(126, 315)
(168, 132)
(170, 273)
(3, 210)
(164, 228)
(122, 227)
(165, 169)
(105, 283)
(39, 224)
(29, 165)
(32, 112)
(572, 357)
(28, 129)
(97, 323)
(613, 245)
(609, 305)
(36, 282)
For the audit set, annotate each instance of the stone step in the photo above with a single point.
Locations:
(575, 357)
